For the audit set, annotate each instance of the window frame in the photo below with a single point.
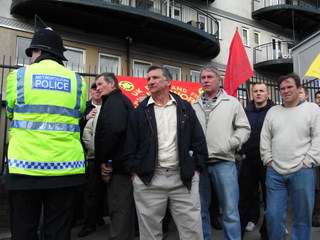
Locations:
(205, 22)
(247, 42)
(82, 69)
(195, 72)
(112, 56)
(140, 61)
(173, 67)
(23, 63)
(256, 33)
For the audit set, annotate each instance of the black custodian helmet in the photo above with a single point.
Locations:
(48, 40)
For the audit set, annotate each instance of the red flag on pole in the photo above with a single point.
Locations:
(238, 67)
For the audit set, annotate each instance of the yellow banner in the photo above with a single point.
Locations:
(314, 69)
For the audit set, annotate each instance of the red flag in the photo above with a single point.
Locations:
(238, 68)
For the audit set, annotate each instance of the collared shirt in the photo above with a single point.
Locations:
(208, 104)
(166, 119)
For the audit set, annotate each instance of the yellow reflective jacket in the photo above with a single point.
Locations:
(44, 101)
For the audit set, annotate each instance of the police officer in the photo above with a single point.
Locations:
(45, 157)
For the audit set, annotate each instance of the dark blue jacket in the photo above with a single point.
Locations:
(141, 150)
(256, 118)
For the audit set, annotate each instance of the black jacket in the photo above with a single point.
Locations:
(256, 118)
(83, 121)
(111, 129)
(141, 151)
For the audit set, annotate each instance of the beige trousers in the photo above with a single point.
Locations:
(151, 203)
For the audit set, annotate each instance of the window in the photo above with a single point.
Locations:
(140, 68)
(22, 45)
(175, 72)
(75, 56)
(242, 92)
(175, 12)
(256, 39)
(276, 48)
(75, 59)
(202, 21)
(109, 63)
(274, 2)
(195, 76)
(216, 28)
(245, 36)
(145, 4)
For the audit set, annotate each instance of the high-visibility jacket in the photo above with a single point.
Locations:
(45, 101)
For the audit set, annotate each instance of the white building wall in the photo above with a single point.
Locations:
(237, 14)
(5, 8)
(237, 7)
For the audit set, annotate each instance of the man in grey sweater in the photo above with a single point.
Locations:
(290, 148)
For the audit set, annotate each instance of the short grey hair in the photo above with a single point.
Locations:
(165, 72)
(212, 68)
(109, 77)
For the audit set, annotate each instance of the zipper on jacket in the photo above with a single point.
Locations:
(153, 134)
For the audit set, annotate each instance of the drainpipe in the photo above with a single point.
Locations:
(128, 43)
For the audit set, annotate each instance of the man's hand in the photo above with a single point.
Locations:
(269, 163)
(133, 176)
(104, 170)
(305, 166)
(91, 114)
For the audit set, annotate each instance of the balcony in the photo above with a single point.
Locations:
(207, 1)
(301, 16)
(273, 58)
(170, 26)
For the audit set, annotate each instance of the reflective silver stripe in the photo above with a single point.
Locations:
(47, 126)
(20, 85)
(9, 109)
(79, 91)
(22, 108)
(45, 165)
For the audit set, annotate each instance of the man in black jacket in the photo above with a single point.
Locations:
(252, 171)
(109, 145)
(165, 153)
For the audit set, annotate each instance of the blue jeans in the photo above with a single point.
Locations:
(224, 178)
(299, 188)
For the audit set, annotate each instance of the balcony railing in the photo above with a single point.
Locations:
(267, 3)
(180, 10)
(272, 51)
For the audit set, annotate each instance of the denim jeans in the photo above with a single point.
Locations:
(299, 188)
(224, 178)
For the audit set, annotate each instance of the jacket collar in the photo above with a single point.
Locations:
(180, 103)
(252, 107)
(105, 97)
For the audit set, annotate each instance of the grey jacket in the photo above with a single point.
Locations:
(227, 129)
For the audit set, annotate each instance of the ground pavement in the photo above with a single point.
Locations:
(102, 231)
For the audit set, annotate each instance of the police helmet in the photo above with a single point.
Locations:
(48, 40)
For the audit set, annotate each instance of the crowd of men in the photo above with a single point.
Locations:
(167, 155)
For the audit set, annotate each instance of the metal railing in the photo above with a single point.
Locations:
(244, 94)
(272, 51)
(256, 5)
(181, 10)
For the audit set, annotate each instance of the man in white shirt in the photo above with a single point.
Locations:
(290, 148)
(92, 187)
(165, 153)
